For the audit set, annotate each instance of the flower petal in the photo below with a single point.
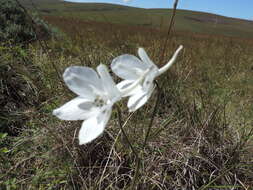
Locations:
(81, 80)
(93, 127)
(149, 79)
(144, 57)
(125, 84)
(128, 67)
(76, 109)
(105, 115)
(107, 81)
(138, 99)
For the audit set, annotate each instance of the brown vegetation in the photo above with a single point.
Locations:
(202, 131)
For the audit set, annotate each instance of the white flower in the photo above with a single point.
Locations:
(96, 96)
(130, 68)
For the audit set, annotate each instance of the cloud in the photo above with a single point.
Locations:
(126, 1)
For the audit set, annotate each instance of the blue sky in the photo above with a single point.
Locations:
(232, 8)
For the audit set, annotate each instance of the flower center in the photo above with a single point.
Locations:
(99, 102)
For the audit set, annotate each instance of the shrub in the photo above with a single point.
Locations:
(17, 26)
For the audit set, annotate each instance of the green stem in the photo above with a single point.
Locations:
(138, 161)
(136, 174)
(153, 115)
(170, 28)
(123, 131)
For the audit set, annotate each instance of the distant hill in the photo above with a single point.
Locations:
(192, 21)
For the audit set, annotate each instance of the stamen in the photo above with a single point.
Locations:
(99, 102)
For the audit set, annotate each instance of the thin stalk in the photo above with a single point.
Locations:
(123, 131)
(136, 174)
(153, 115)
(138, 161)
(116, 139)
(169, 30)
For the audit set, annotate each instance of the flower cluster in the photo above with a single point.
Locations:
(97, 92)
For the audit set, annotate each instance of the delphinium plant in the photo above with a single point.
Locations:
(98, 93)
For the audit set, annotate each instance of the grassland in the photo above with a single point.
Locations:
(188, 21)
(201, 136)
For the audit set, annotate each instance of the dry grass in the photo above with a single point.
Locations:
(202, 131)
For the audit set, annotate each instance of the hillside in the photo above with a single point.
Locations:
(194, 131)
(191, 21)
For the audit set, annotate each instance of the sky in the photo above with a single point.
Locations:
(231, 8)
